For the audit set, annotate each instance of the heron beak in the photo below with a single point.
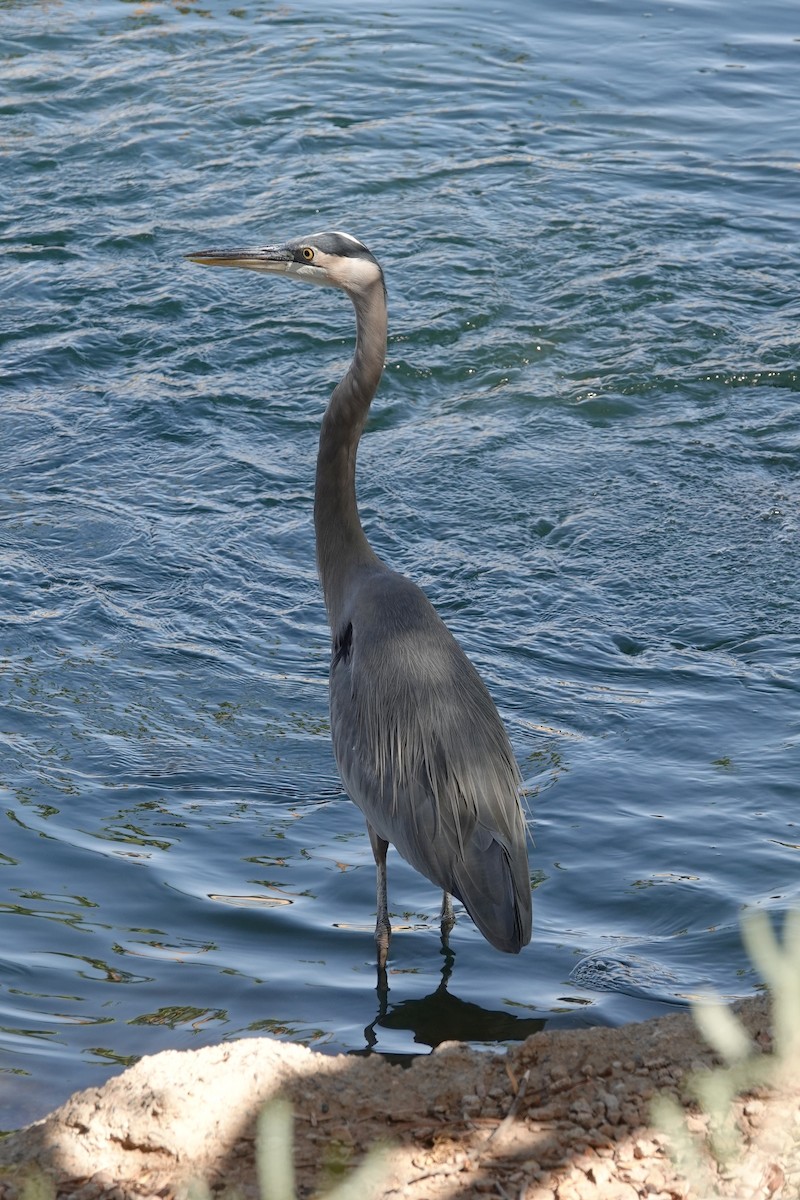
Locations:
(274, 259)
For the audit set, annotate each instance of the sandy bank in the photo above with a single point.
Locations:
(564, 1114)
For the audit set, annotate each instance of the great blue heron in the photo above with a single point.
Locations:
(418, 741)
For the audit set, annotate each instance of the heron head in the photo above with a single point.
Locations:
(336, 259)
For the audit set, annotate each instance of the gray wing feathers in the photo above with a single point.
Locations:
(423, 753)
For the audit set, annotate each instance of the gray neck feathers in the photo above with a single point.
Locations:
(342, 546)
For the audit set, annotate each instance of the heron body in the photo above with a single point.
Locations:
(419, 744)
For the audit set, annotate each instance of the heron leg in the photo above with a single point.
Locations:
(383, 928)
(448, 917)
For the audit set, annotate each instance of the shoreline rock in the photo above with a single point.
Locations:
(564, 1115)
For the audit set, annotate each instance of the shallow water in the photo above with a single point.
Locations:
(585, 448)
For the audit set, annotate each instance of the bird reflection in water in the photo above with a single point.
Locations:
(443, 1017)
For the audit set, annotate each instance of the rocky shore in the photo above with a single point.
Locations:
(562, 1116)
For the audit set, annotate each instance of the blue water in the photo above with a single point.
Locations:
(585, 448)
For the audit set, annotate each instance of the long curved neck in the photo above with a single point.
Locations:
(342, 546)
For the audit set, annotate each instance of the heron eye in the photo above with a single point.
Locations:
(308, 253)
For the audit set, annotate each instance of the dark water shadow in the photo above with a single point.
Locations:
(442, 1017)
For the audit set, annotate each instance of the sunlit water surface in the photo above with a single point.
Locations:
(586, 449)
